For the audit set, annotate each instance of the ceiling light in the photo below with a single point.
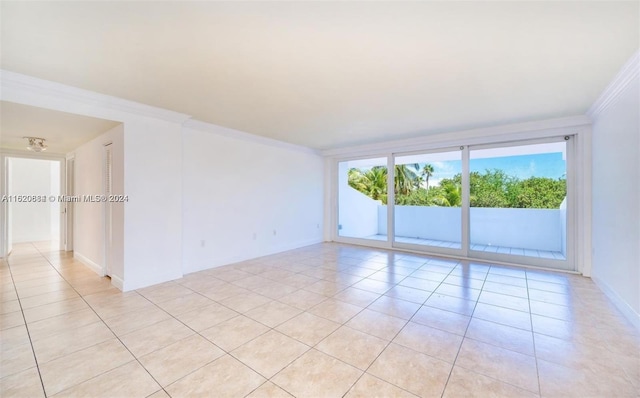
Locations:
(36, 144)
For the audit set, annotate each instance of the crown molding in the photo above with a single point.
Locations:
(548, 127)
(240, 135)
(17, 81)
(629, 71)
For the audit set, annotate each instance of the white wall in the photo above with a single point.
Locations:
(535, 229)
(36, 221)
(152, 244)
(236, 193)
(616, 199)
(357, 213)
(425, 222)
(89, 227)
(153, 215)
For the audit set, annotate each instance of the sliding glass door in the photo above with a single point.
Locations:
(428, 201)
(518, 203)
(506, 202)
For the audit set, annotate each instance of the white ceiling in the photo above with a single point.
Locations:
(64, 132)
(329, 74)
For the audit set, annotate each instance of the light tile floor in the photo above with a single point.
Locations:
(327, 320)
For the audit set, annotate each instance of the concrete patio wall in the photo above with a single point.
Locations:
(357, 214)
(535, 229)
(437, 223)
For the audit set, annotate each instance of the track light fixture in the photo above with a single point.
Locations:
(36, 144)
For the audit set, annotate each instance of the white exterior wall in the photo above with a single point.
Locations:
(424, 222)
(535, 229)
(357, 214)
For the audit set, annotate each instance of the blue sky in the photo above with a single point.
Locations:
(550, 165)
(547, 162)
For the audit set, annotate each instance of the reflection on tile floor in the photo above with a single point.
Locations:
(327, 320)
(517, 251)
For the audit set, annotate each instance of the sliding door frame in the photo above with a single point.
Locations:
(578, 170)
(568, 264)
(462, 252)
(335, 220)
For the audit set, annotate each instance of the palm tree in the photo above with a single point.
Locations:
(405, 178)
(372, 182)
(376, 179)
(427, 171)
(453, 193)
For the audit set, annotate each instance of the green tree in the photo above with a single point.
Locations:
(372, 182)
(492, 188)
(452, 193)
(539, 193)
(489, 189)
(427, 172)
(405, 178)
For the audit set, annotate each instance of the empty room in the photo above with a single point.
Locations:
(319, 199)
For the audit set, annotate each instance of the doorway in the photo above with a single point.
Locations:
(32, 207)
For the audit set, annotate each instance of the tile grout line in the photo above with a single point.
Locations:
(26, 325)
(446, 384)
(105, 324)
(533, 336)
(397, 333)
(342, 324)
(222, 349)
(239, 314)
(335, 271)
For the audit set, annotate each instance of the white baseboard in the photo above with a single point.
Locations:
(245, 257)
(619, 302)
(97, 268)
(117, 282)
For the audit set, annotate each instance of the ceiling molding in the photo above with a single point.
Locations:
(549, 127)
(629, 71)
(240, 135)
(12, 80)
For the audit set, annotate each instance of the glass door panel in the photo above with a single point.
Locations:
(518, 202)
(362, 199)
(428, 200)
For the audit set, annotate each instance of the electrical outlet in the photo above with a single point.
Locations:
(202, 243)
(274, 232)
(255, 236)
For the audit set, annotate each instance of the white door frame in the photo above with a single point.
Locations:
(5, 155)
(69, 208)
(107, 185)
